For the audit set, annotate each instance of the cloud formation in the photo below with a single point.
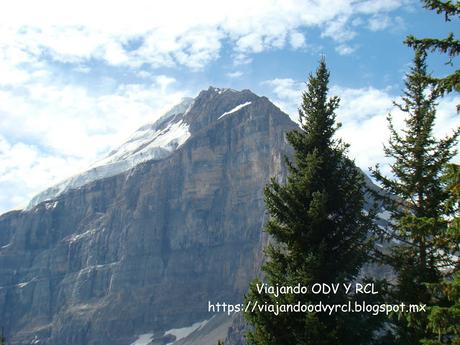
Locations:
(173, 33)
(363, 113)
(65, 97)
(50, 132)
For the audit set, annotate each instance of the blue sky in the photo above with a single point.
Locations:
(76, 78)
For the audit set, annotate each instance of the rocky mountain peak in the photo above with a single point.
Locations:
(157, 140)
(214, 103)
(135, 257)
(177, 110)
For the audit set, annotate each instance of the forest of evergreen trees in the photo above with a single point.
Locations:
(320, 233)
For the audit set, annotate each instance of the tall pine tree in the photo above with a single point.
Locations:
(418, 224)
(449, 45)
(319, 232)
(444, 315)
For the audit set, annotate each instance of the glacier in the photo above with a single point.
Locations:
(152, 141)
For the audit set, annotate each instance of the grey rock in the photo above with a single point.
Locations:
(143, 251)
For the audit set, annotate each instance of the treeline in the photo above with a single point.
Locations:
(321, 234)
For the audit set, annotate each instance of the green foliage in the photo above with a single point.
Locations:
(452, 179)
(448, 45)
(444, 316)
(319, 232)
(448, 8)
(418, 203)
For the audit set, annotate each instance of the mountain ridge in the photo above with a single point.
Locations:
(126, 156)
(99, 263)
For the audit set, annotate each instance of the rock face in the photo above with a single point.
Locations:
(144, 251)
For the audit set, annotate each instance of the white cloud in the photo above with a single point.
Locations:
(297, 40)
(447, 118)
(25, 169)
(50, 132)
(287, 93)
(54, 124)
(236, 74)
(379, 22)
(338, 29)
(344, 49)
(363, 113)
(175, 32)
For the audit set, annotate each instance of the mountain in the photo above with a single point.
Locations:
(150, 142)
(132, 250)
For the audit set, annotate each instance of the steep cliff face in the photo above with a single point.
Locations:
(142, 252)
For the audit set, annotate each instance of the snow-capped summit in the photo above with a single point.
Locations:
(220, 90)
(158, 140)
(143, 244)
(152, 141)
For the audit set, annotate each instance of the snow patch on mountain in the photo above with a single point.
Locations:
(234, 110)
(24, 284)
(143, 339)
(147, 144)
(180, 333)
(153, 141)
(220, 91)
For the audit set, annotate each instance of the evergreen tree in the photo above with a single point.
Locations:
(319, 232)
(444, 321)
(448, 45)
(444, 316)
(418, 224)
